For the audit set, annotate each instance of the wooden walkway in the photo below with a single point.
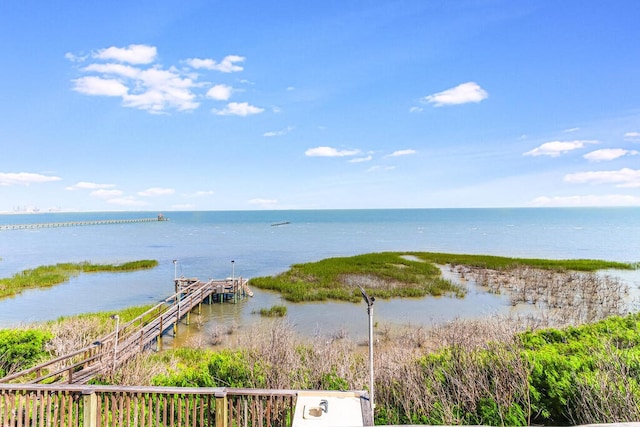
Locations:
(78, 223)
(106, 354)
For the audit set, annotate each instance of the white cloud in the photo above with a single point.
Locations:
(82, 185)
(132, 74)
(571, 130)
(92, 85)
(239, 109)
(156, 191)
(623, 178)
(461, 94)
(105, 194)
(153, 89)
(114, 69)
(227, 65)
(361, 159)
(220, 92)
(587, 200)
(632, 136)
(330, 152)
(133, 54)
(278, 132)
(25, 178)
(415, 109)
(609, 154)
(557, 148)
(399, 153)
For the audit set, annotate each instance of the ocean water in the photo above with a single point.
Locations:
(204, 244)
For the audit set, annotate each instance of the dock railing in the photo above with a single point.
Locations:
(109, 352)
(101, 406)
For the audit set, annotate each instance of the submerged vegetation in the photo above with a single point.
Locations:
(399, 274)
(50, 275)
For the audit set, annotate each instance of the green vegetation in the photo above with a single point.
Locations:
(51, 275)
(274, 311)
(577, 375)
(21, 349)
(383, 275)
(398, 274)
(503, 263)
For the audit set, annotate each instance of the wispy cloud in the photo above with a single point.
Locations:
(330, 152)
(623, 178)
(281, 132)
(399, 153)
(607, 154)
(587, 200)
(361, 159)
(461, 94)
(83, 185)
(156, 191)
(415, 109)
(571, 130)
(557, 148)
(25, 178)
(632, 136)
(239, 109)
(227, 65)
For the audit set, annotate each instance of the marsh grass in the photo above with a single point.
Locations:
(273, 311)
(383, 275)
(401, 274)
(51, 275)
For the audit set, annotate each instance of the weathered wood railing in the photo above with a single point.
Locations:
(102, 406)
(114, 349)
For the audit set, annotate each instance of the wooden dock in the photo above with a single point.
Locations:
(28, 226)
(109, 352)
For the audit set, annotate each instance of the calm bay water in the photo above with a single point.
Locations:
(204, 243)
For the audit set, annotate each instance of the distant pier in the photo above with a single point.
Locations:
(29, 226)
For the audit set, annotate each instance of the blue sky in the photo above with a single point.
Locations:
(203, 105)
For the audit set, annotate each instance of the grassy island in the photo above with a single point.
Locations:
(51, 275)
(399, 274)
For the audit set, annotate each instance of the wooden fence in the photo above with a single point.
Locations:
(116, 406)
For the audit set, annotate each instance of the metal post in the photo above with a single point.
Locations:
(370, 311)
(115, 340)
(369, 300)
(175, 270)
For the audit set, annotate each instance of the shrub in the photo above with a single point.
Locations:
(21, 349)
